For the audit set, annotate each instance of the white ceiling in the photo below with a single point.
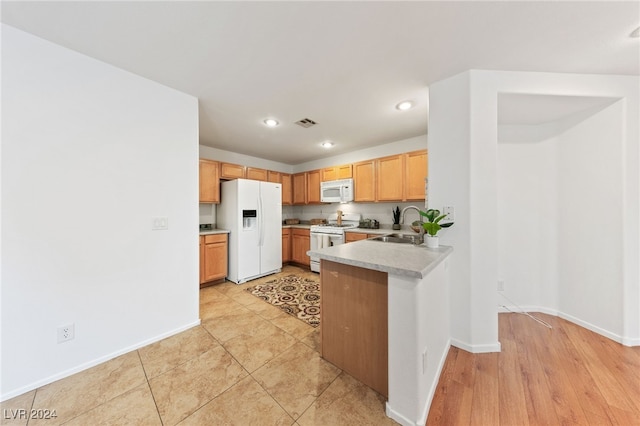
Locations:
(343, 64)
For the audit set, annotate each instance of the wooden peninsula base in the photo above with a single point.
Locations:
(354, 326)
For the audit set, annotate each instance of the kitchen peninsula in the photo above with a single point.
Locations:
(385, 319)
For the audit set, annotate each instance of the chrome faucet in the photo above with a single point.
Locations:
(416, 209)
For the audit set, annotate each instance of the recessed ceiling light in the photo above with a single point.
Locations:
(404, 105)
(270, 122)
(326, 144)
(635, 33)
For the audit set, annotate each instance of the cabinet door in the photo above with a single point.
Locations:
(329, 173)
(300, 188)
(345, 171)
(209, 181)
(415, 174)
(313, 187)
(275, 177)
(300, 246)
(354, 236)
(390, 178)
(286, 245)
(215, 257)
(231, 171)
(256, 174)
(364, 181)
(287, 189)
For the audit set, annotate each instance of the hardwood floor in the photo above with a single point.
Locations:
(566, 375)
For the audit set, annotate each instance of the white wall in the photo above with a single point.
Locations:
(590, 225)
(527, 224)
(449, 184)
(90, 154)
(463, 158)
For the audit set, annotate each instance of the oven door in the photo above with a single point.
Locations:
(321, 240)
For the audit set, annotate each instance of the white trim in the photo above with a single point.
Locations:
(476, 349)
(594, 328)
(528, 308)
(394, 415)
(93, 363)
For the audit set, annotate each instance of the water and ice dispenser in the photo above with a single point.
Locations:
(249, 220)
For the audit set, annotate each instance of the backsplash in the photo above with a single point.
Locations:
(378, 211)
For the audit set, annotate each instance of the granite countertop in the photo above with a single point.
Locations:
(408, 260)
(214, 231)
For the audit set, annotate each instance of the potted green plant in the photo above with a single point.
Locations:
(396, 218)
(432, 226)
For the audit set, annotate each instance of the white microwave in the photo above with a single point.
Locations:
(336, 191)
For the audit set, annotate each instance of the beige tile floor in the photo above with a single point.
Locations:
(247, 363)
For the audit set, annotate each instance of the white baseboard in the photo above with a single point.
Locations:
(528, 308)
(477, 349)
(592, 327)
(94, 362)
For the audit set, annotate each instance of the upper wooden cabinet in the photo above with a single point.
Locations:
(209, 181)
(390, 178)
(416, 170)
(313, 187)
(287, 189)
(337, 172)
(364, 181)
(232, 171)
(256, 174)
(275, 177)
(300, 188)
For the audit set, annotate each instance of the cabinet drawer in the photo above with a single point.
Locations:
(215, 238)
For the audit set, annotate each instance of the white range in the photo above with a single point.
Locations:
(331, 234)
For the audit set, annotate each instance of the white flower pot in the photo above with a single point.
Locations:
(431, 242)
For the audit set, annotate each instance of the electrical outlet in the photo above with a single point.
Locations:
(66, 333)
(500, 285)
(160, 223)
(449, 211)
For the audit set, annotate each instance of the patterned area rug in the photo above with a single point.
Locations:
(294, 295)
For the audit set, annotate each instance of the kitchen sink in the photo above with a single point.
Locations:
(398, 238)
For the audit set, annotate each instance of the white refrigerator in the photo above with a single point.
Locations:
(252, 211)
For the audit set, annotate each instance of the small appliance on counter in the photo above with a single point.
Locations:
(206, 227)
(369, 224)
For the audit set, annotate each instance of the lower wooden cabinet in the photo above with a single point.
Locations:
(353, 329)
(300, 245)
(350, 237)
(213, 257)
(286, 245)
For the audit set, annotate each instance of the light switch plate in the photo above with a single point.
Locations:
(160, 223)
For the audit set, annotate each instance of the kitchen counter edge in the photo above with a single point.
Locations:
(407, 260)
(214, 231)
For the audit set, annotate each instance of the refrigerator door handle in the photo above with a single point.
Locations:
(260, 222)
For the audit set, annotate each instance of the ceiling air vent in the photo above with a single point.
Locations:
(306, 123)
